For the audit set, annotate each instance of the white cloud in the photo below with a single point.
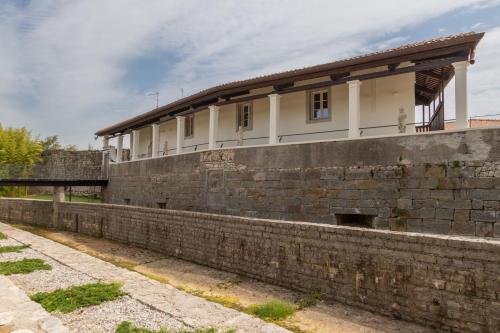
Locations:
(70, 57)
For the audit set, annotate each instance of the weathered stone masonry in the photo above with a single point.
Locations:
(447, 183)
(448, 282)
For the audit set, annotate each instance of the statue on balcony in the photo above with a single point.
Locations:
(402, 120)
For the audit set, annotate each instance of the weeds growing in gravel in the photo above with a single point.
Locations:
(70, 299)
(309, 300)
(24, 266)
(3, 236)
(127, 327)
(13, 248)
(273, 310)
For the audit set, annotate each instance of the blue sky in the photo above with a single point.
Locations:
(72, 67)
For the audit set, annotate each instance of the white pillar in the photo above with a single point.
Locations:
(105, 142)
(213, 126)
(461, 107)
(155, 138)
(274, 115)
(131, 145)
(134, 153)
(180, 133)
(119, 148)
(354, 107)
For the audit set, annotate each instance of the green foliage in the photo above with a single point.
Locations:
(309, 300)
(13, 248)
(24, 266)
(51, 143)
(127, 327)
(18, 152)
(70, 299)
(3, 236)
(273, 310)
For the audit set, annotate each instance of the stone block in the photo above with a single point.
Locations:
(477, 204)
(358, 173)
(435, 171)
(463, 228)
(484, 229)
(483, 215)
(397, 224)
(436, 226)
(478, 183)
(334, 173)
(444, 213)
(414, 225)
(485, 194)
(458, 204)
(404, 203)
(442, 194)
(461, 215)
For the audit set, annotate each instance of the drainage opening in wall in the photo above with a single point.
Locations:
(355, 220)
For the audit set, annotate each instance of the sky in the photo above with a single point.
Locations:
(71, 67)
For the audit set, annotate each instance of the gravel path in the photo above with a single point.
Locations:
(150, 303)
(105, 317)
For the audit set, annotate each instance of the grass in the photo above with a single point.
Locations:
(273, 310)
(70, 299)
(3, 236)
(24, 266)
(309, 300)
(127, 327)
(74, 198)
(13, 248)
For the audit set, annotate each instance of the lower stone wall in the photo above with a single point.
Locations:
(450, 283)
(445, 182)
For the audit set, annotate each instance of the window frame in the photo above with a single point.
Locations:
(189, 118)
(309, 109)
(239, 115)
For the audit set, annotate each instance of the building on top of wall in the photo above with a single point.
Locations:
(376, 94)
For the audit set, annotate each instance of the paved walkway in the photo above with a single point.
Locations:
(191, 310)
(19, 314)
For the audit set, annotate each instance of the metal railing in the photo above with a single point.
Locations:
(436, 122)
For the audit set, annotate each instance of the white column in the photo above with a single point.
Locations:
(105, 150)
(274, 115)
(119, 148)
(354, 107)
(461, 107)
(155, 138)
(213, 126)
(105, 142)
(131, 145)
(134, 153)
(180, 133)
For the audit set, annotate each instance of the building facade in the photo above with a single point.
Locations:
(377, 94)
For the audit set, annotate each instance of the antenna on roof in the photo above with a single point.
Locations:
(157, 95)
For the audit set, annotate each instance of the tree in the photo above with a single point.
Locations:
(18, 152)
(51, 143)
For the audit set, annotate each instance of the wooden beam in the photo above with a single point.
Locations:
(434, 75)
(425, 89)
(235, 94)
(393, 67)
(338, 76)
(280, 87)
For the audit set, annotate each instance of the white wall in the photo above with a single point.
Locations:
(381, 100)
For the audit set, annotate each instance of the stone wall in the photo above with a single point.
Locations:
(447, 183)
(70, 165)
(447, 282)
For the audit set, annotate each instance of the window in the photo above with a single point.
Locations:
(319, 106)
(189, 126)
(244, 116)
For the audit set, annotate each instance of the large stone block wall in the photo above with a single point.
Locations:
(448, 282)
(70, 165)
(447, 183)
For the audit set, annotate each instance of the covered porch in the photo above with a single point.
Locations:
(379, 96)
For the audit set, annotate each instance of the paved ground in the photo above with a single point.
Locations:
(18, 312)
(321, 318)
(179, 308)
